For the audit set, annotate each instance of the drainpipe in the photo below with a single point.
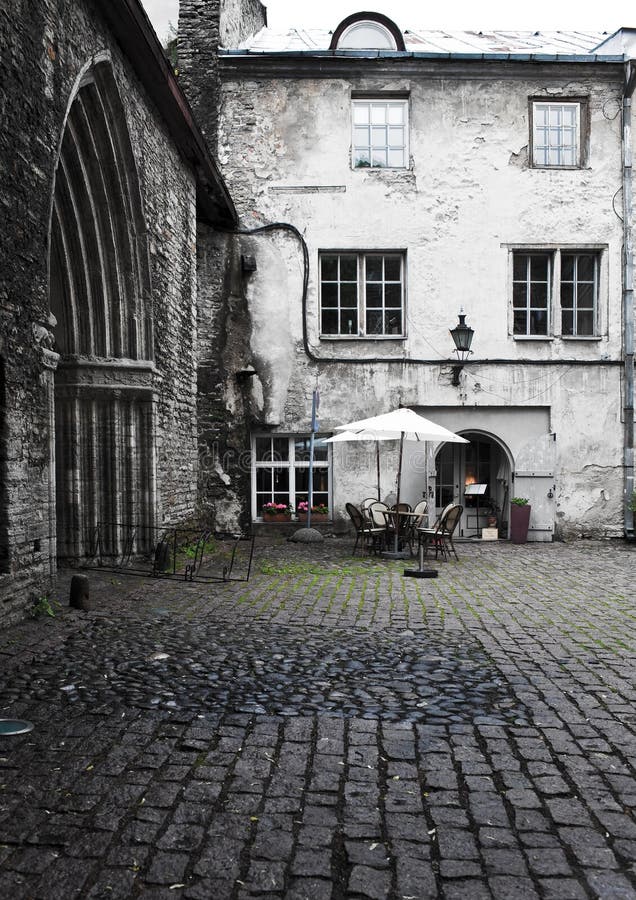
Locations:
(628, 300)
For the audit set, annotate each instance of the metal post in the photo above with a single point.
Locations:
(315, 405)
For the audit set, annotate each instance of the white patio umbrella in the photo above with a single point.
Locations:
(376, 437)
(404, 425)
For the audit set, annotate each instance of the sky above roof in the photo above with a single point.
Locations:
(539, 15)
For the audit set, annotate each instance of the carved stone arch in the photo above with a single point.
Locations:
(99, 266)
(100, 294)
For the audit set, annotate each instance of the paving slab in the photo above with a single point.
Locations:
(329, 729)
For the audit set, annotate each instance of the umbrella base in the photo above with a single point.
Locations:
(421, 573)
(396, 554)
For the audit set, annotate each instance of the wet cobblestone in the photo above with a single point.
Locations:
(398, 675)
(331, 730)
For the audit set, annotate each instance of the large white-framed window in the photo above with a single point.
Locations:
(531, 293)
(557, 133)
(556, 291)
(280, 471)
(379, 133)
(362, 294)
(579, 293)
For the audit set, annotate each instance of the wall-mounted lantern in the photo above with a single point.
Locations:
(462, 335)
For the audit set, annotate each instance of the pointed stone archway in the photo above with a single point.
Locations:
(100, 296)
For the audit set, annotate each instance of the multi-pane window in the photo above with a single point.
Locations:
(362, 294)
(565, 279)
(579, 293)
(380, 134)
(280, 471)
(531, 281)
(556, 134)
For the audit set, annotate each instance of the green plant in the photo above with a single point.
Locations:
(44, 607)
(520, 501)
(632, 502)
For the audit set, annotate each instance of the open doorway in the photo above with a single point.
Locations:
(478, 476)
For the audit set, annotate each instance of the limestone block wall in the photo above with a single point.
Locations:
(223, 386)
(45, 46)
(203, 28)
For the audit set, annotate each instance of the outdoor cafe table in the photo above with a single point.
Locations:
(404, 520)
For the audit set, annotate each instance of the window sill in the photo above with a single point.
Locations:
(362, 337)
(381, 169)
(533, 337)
(579, 168)
(580, 337)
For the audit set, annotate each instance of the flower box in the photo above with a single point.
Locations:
(315, 517)
(276, 517)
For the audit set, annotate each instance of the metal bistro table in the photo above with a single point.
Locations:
(422, 571)
(397, 521)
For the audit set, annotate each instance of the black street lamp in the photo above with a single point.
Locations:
(462, 335)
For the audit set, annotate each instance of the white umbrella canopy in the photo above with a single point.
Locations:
(403, 425)
(375, 436)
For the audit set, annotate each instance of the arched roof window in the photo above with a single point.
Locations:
(367, 31)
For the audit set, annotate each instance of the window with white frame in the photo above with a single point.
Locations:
(579, 294)
(362, 294)
(280, 471)
(556, 134)
(531, 293)
(380, 134)
(556, 290)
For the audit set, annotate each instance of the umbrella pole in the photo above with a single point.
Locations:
(399, 484)
(377, 463)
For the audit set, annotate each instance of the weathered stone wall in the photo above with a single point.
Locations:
(44, 47)
(203, 27)
(467, 198)
(223, 354)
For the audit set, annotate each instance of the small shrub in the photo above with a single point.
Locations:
(44, 607)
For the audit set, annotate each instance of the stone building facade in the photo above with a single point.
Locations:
(104, 181)
(424, 173)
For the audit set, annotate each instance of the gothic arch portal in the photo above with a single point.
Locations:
(100, 295)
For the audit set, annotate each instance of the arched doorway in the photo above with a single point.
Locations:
(478, 476)
(100, 296)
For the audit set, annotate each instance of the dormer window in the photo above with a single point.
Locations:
(367, 31)
(367, 36)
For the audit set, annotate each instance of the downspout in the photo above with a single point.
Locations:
(628, 302)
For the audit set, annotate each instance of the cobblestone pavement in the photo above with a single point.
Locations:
(330, 730)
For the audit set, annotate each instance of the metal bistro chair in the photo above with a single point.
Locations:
(370, 534)
(377, 514)
(441, 535)
(403, 525)
(366, 503)
(419, 515)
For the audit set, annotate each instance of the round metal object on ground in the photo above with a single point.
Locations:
(15, 726)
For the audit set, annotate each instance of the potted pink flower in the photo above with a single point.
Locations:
(319, 512)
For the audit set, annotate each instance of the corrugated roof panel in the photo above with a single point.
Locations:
(420, 40)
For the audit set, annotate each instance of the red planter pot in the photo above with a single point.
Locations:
(315, 518)
(276, 517)
(519, 522)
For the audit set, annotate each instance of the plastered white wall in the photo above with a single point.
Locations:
(467, 199)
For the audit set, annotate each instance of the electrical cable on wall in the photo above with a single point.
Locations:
(383, 360)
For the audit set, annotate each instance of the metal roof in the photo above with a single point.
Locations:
(420, 41)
